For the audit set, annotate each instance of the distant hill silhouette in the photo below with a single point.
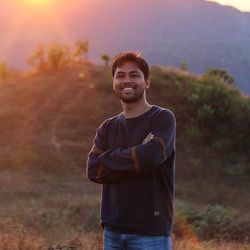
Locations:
(204, 34)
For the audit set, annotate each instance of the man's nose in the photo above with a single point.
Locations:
(127, 79)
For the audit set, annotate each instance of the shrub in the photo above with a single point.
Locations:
(82, 48)
(216, 222)
(106, 58)
(37, 59)
(221, 112)
(193, 133)
(206, 114)
(58, 55)
(183, 66)
(221, 75)
(3, 71)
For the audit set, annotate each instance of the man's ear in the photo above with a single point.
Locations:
(113, 87)
(147, 83)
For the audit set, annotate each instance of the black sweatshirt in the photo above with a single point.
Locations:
(137, 176)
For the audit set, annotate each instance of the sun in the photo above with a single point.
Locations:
(38, 2)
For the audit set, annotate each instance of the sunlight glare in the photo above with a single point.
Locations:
(38, 2)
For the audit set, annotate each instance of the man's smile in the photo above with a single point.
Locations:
(127, 89)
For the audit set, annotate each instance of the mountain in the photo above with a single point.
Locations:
(203, 34)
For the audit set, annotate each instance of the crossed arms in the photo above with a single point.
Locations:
(104, 166)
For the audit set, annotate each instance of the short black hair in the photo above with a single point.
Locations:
(131, 56)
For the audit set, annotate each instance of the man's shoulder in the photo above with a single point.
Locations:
(164, 112)
(107, 122)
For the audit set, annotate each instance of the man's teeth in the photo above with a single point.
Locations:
(127, 89)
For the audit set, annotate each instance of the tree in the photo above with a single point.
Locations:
(82, 48)
(184, 66)
(58, 55)
(222, 75)
(37, 59)
(3, 71)
(106, 59)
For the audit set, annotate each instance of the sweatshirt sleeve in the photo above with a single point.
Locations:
(99, 172)
(108, 165)
(94, 165)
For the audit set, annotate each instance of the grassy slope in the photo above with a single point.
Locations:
(47, 126)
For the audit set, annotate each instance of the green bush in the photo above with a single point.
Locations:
(193, 133)
(221, 112)
(206, 113)
(221, 75)
(215, 222)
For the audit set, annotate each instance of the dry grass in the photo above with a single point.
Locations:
(190, 245)
(94, 241)
(48, 211)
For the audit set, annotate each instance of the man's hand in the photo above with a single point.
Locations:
(149, 137)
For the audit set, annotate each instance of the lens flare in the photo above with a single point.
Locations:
(39, 5)
(38, 2)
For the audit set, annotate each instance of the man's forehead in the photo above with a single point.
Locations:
(128, 67)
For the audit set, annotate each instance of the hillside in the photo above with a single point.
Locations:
(202, 33)
(48, 121)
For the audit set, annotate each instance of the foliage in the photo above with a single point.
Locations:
(106, 58)
(220, 111)
(58, 55)
(221, 75)
(183, 66)
(212, 117)
(3, 71)
(82, 48)
(193, 132)
(37, 59)
(206, 113)
(216, 222)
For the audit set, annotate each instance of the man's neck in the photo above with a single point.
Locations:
(132, 110)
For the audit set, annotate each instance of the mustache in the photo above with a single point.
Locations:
(128, 85)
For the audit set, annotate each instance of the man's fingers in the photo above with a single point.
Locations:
(149, 137)
(145, 141)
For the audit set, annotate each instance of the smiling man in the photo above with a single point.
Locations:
(133, 156)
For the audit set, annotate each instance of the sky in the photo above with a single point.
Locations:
(243, 5)
(48, 20)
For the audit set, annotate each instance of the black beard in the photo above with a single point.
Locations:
(132, 99)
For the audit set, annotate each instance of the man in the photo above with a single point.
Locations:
(133, 156)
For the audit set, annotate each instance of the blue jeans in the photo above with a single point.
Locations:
(117, 241)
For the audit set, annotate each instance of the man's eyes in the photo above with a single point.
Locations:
(119, 76)
(132, 75)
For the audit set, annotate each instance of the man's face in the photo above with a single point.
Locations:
(129, 83)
